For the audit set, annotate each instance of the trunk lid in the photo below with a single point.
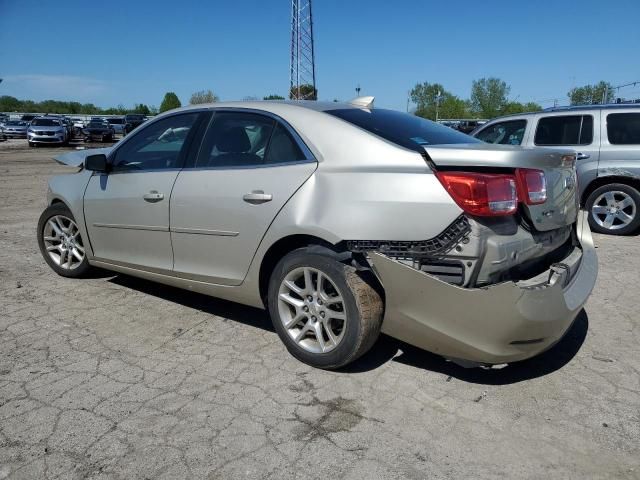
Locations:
(561, 206)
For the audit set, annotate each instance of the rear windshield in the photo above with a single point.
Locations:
(135, 118)
(115, 121)
(409, 131)
(45, 122)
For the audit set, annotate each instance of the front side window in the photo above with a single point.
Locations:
(565, 130)
(158, 146)
(504, 133)
(623, 128)
(236, 139)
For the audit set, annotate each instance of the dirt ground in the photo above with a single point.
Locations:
(115, 377)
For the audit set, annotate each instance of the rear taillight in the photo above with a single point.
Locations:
(532, 185)
(482, 194)
(494, 194)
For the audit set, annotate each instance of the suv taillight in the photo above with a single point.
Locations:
(533, 186)
(482, 194)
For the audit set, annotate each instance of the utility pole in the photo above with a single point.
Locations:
(437, 104)
(302, 67)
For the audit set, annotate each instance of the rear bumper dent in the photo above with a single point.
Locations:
(501, 323)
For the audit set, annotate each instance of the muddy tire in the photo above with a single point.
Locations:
(324, 311)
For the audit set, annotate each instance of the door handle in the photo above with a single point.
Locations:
(582, 156)
(153, 196)
(257, 197)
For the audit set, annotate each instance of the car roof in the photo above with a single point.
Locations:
(280, 105)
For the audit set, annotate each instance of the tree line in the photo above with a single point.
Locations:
(489, 98)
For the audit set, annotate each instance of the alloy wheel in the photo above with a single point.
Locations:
(614, 210)
(312, 310)
(63, 242)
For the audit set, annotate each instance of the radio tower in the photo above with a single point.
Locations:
(303, 69)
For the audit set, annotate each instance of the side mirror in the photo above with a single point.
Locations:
(97, 163)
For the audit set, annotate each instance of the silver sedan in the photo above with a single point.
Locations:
(343, 220)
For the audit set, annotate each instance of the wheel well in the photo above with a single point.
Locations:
(600, 181)
(280, 249)
(56, 200)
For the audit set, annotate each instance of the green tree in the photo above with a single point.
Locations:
(203, 96)
(304, 92)
(489, 97)
(591, 94)
(169, 102)
(142, 109)
(516, 107)
(432, 100)
(273, 97)
(9, 104)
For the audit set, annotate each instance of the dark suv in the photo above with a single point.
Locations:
(606, 139)
(131, 121)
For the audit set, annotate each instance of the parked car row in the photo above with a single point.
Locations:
(60, 129)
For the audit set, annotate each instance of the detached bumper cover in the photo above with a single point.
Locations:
(501, 323)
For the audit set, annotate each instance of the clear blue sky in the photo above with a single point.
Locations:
(111, 52)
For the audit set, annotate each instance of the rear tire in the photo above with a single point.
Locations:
(614, 209)
(329, 333)
(60, 242)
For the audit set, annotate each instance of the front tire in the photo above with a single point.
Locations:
(614, 209)
(324, 311)
(61, 243)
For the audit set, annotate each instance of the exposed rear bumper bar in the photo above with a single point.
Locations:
(501, 323)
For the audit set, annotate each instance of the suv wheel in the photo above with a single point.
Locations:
(324, 311)
(614, 209)
(60, 242)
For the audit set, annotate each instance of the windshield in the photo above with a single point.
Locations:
(15, 123)
(115, 121)
(135, 118)
(96, 123)
(45, 122)
(409, 131)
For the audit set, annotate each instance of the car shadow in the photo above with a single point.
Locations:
(555, 358)
(254, 317)
(386, 348)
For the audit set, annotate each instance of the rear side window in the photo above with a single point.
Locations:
(409, 131)
(235, 140)
(565, 130)
(623, 128)
(504, 133)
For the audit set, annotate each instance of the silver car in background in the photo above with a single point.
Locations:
(49, 130)
(342, 220)
(117, 123)
(607, 141)
(15, 129)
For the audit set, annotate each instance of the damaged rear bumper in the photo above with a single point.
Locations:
(501, 323)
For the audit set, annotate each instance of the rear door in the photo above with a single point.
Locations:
(579, 131)
(620, 154)
(249, 165)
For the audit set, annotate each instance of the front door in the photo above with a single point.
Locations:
(249, 166)
(127, 210)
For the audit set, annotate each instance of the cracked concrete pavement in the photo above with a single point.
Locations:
(115, 377)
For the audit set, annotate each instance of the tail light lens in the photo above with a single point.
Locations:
(533, 186)
(482, 194)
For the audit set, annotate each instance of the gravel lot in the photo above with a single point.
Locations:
(114, 377)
